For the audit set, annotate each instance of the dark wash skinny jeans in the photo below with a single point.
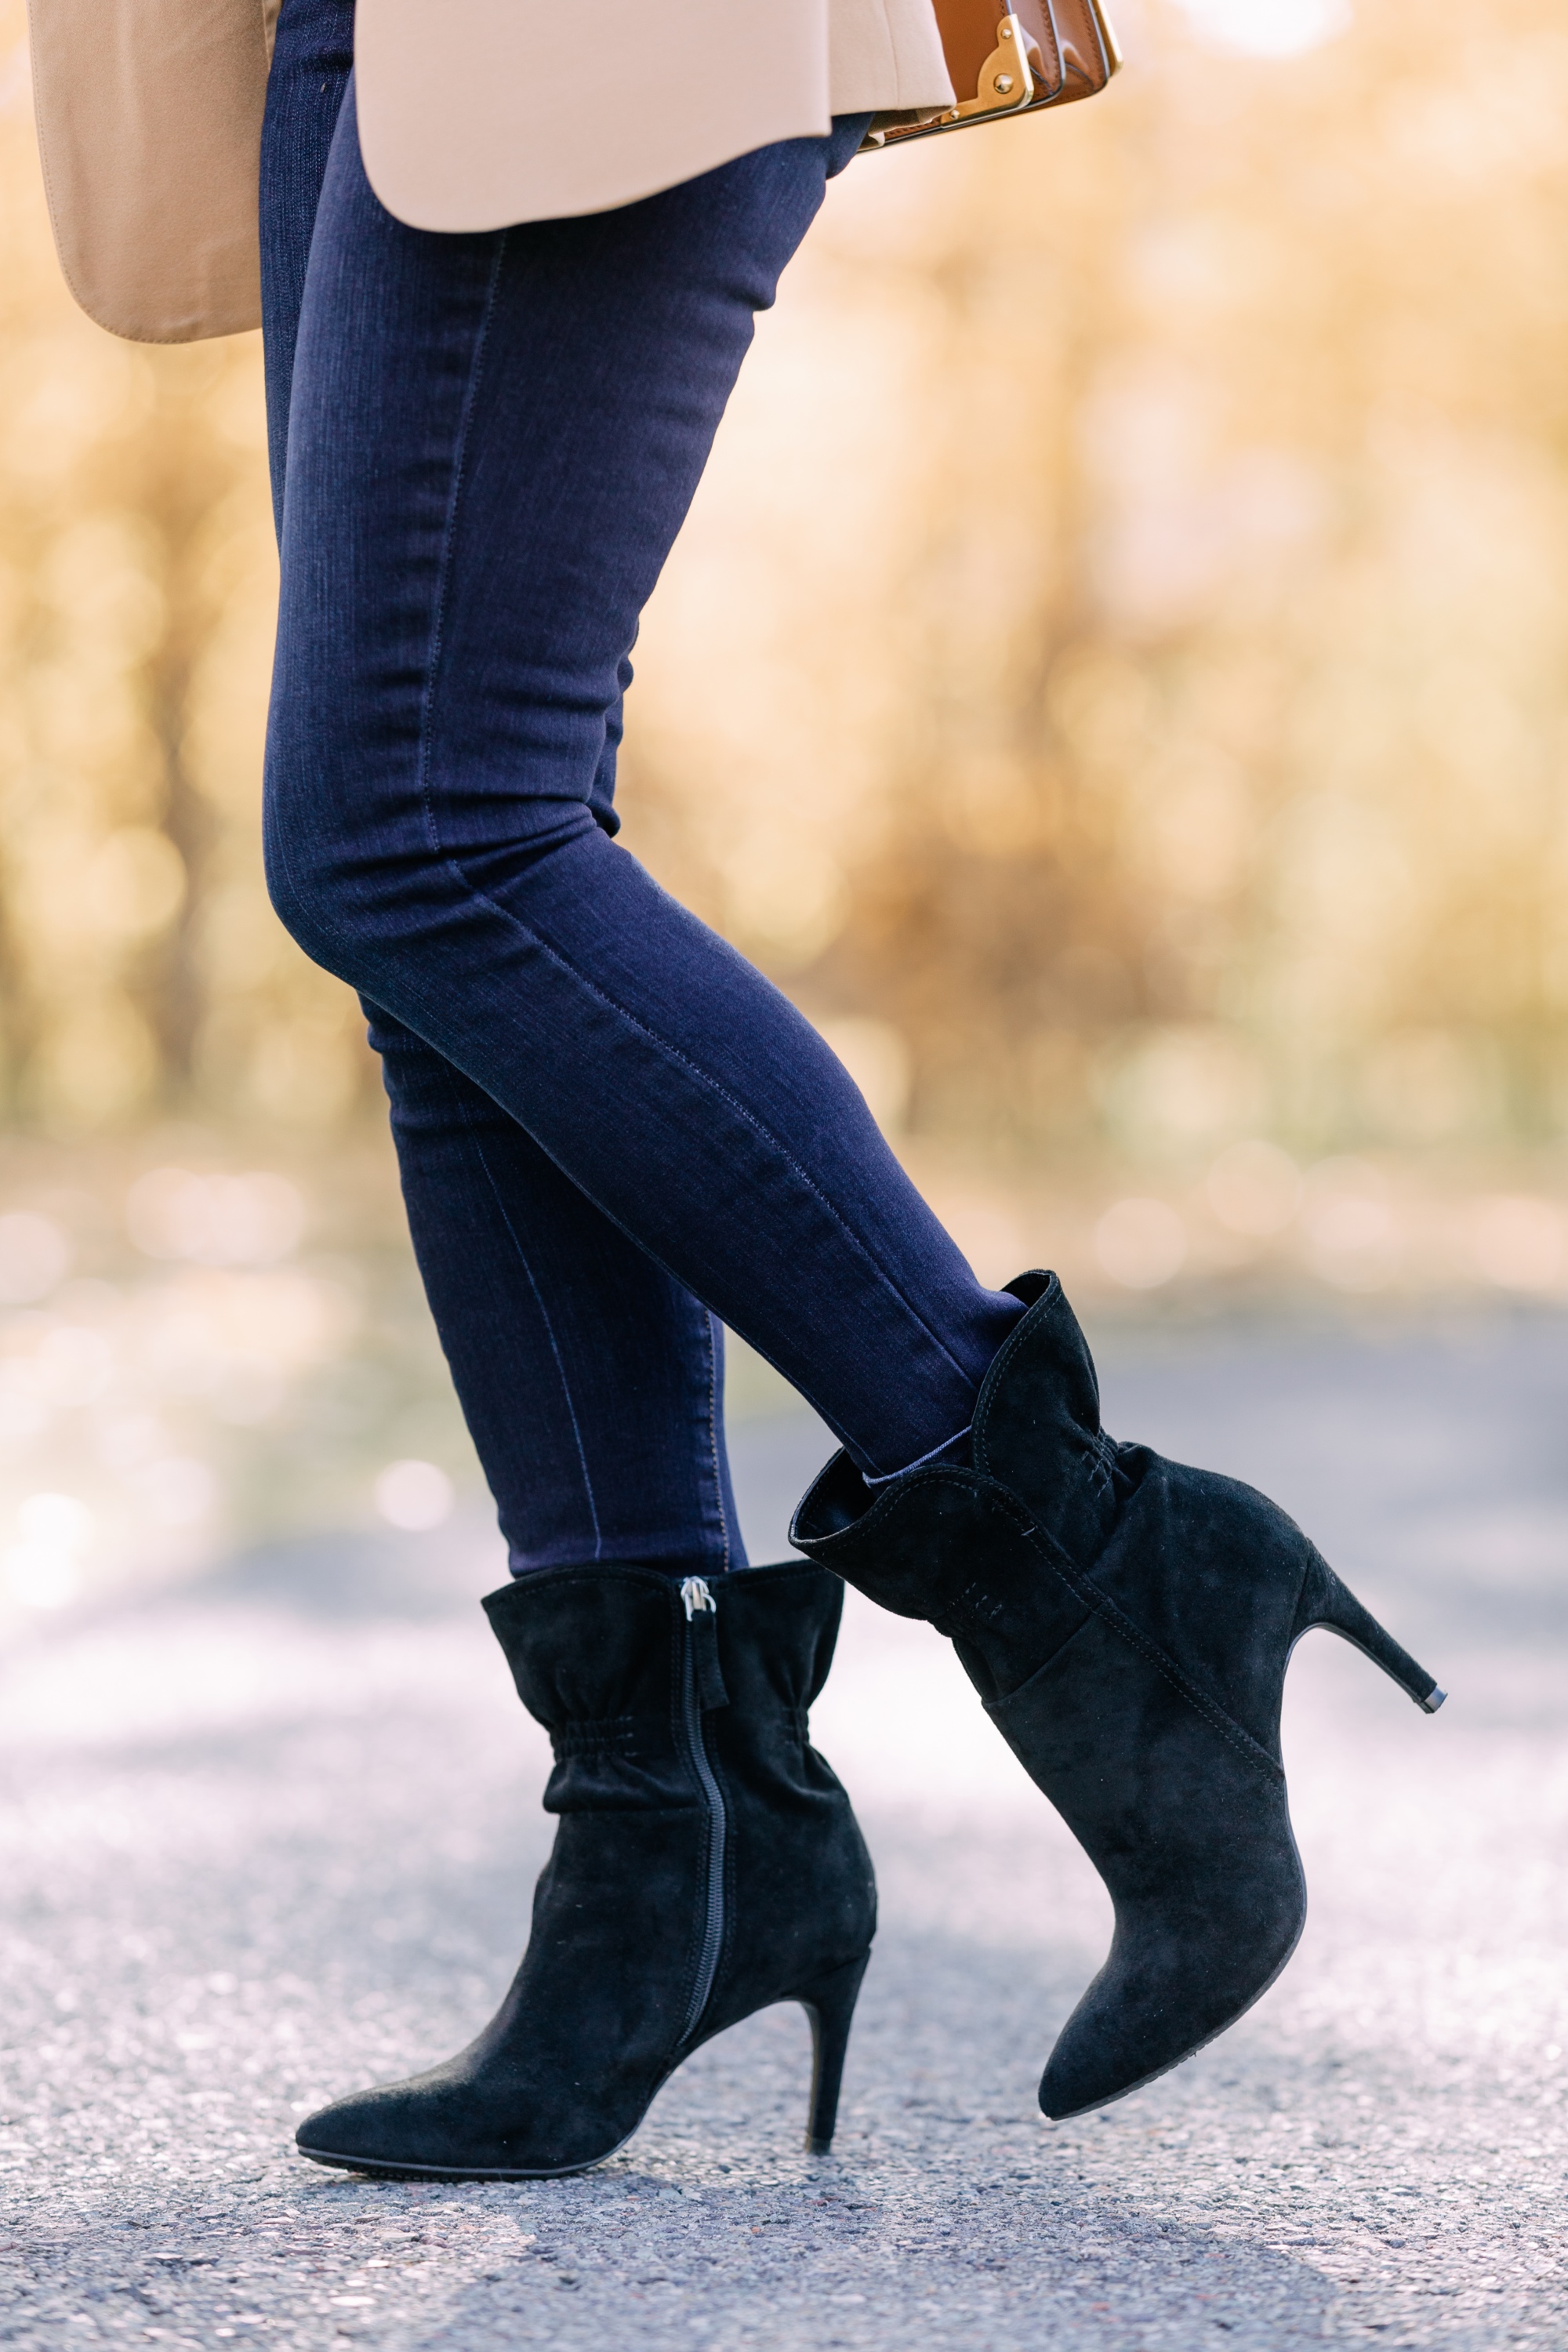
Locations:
(612, 1131)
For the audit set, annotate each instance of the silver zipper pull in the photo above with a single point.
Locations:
(694, 1593)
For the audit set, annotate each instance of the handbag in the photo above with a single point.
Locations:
(1033, 53)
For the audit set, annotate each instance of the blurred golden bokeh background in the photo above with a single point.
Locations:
(1115, 676)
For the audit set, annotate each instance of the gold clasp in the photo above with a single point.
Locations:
(1006, 82)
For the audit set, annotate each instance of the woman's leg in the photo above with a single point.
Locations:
(493, 440)
(492, 443)
(706, 1862)
(312, 58)
(592, 1382)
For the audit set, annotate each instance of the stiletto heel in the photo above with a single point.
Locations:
(707, 1865)
(830, 2005)
(1127, 1622)
(1327, 1601)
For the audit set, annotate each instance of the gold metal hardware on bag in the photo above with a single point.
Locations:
(1005, 80)
(1039, 53)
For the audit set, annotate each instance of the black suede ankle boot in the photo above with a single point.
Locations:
(707, 1864)
(1127, 1622)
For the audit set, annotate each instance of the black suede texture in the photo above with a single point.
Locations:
(1193, 1842)
(802, 1894)
(1214, 1573)
(1037, 1423)
(959, 1550)
(1127, 1622)
(598, 2014)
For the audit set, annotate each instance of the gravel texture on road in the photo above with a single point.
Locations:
(272, 1836)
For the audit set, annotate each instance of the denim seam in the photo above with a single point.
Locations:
(449, 542)
(714, 1436)
(432, 830)
(465, 1115)
(673, 1052)
(662, 1045)
(817, 1404)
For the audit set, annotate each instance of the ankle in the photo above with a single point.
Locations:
(955, 1453)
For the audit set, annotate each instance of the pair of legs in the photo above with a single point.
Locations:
(612, 1131)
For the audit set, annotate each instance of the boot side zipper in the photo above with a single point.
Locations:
(698, 1601)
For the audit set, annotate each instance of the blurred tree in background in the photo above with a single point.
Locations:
(1121, 647)
(141, 968)
(1114, 675)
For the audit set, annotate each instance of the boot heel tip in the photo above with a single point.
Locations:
(1433, 1700)
(816, 2146)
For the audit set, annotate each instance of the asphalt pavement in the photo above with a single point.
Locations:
(271, 1836)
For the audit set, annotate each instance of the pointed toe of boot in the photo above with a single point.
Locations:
(707, 1863)
(412, 2129)
(1189, 1826)
(1127, 1622)
(370, 2131)
(1170, 1986)
(441, 2127)
(476, 2118)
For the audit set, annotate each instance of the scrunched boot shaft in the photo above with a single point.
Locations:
(1127, 1622)
(707, 1864)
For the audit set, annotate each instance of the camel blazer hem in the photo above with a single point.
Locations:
(149, 117)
